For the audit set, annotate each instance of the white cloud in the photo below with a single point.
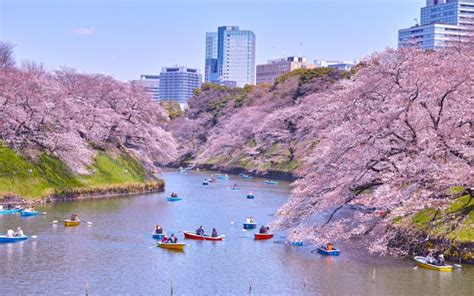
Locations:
(84, 31)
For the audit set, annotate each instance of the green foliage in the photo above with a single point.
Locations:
(422, 219)
(251, 143)
(172, 108)
(456, 189)
(56, 173)
(213, 86)
(216, 107)
(285, 76)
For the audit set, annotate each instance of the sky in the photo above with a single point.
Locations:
(128, 38)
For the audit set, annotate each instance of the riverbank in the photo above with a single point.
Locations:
(48, 179)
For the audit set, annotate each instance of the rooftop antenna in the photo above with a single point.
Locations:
(416, 21)
(301, 49)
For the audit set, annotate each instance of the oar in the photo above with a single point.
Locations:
(457, 265)
(34, 236)
(55, 221)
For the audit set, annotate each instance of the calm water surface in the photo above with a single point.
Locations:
(116, 254)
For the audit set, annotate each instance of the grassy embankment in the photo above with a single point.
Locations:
(48, 175)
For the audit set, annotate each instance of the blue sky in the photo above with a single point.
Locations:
(128, 38)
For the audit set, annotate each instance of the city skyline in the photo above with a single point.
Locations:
(82, 36)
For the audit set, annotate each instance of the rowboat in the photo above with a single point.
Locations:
(250, 196)
(4, 239)
(421, 262)
(193, 235)
(262, 236)
(28, 214)
(271, 182)
(334, 252)
(296, 243)
(158, 236)
(9, 212)
(222, 177)
(205, 182)
(71, 223)
(245, 176)
(174, 198)
(250, 225)
(172, 246)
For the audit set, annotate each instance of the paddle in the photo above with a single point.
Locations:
(55, 221)
(457, 265)
(34, 236)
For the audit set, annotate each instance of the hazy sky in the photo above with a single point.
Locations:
(129, 38)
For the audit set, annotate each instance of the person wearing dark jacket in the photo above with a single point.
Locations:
(200, 230)
(214, 232)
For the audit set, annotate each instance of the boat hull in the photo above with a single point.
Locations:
(10, 212)
(29, 214)
(172, 246)
(250, 225)
(4, 239)
(263, 236)
(333, 252)
(421, 262)
(69, 223)
(193, 235)
(250, 196)
(270, 182)
(174, 198)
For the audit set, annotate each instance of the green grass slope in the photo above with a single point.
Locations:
(32, 180)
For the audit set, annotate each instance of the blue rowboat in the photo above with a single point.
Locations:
(174, 198)
(334, 252)
(245, 176)
(10, 212)
(250, 196)
(250, 225)
(271, 182)
(4, 239)
(29, 214)
(158, 236)
(297, 243)
(223, 177)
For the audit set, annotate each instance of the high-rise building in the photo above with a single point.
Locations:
(178, 83)
(150, 85)
(443, 23)
(267, 73)
(230, 56)
(341, 65)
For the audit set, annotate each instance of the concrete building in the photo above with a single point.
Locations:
(230, 56)
(267, 73)
(443, 23)
(178, 83)
(150, 84)
(341, 65)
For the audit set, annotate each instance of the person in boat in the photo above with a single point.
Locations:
(251, 220)
(174, 195)
(158, 229)
(18, 232)
(441, 261)
(329, 247)
(173, 239)
(214, 233)
(250, 194)
(430, 258)
(263, 230)
(164, 239)
(10, 233)
(74, 217)
(9, 207)
(200, 230)
(234, 186)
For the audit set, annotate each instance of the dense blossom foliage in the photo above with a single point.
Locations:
(383, 143)
(73, 115)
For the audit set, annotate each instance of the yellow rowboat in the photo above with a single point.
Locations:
(171, 246)
(71, 223)
(421, 262)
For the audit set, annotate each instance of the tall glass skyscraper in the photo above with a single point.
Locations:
(443, 22)
(230, 56)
